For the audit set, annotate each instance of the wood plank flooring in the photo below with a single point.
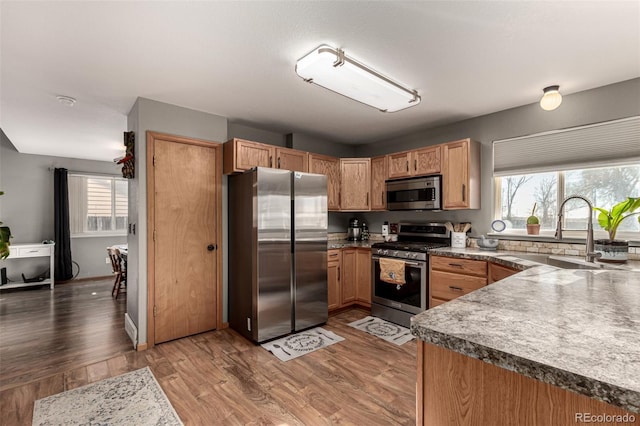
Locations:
(220, 378)
(45, 332)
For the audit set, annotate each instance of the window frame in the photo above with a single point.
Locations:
(112, 232)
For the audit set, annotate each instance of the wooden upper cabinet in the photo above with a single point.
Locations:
(330, 167)
(378, 187)
(461, 175)
(419, 162)
(291, 159)
(398, 165)
(355, 184)
(241, 155)
(426, 161)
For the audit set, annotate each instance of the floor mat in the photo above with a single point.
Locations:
(386, 330)
(301, 343)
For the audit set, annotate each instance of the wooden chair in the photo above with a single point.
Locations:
(118, 270)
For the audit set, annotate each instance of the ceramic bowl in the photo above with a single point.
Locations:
(488, 243)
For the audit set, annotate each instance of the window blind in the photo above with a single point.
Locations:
(614, 142)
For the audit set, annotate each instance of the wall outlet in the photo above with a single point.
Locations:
(107, 260)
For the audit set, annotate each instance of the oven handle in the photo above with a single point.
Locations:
(418, 264)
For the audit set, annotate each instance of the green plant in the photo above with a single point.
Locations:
(609, 220)
(533, 219)
(5, 235)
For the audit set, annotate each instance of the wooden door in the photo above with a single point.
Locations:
(333, 279)
(330, 167)
(355, 184)
(455, 175)
(292, 159)
(398, 165)
(378, 187)
(363, 279)
(252, 154)
(348, 277)
(184, 234)
(426, 161)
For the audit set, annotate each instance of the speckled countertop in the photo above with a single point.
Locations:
(575, 329)
(338, 244)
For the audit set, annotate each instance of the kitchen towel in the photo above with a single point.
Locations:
(386, 330)
(301, 343)
(392, 271)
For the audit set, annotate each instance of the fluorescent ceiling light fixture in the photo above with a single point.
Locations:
(332, 69)
(551, 98)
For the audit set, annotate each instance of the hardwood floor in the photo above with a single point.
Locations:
(221, 378)
(44, 332)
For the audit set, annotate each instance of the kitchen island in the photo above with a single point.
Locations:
(544, 346)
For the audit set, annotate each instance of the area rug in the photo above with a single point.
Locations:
(301, 343)
(133, 398)
(386, 330)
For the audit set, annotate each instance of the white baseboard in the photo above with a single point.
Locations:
(131, 329)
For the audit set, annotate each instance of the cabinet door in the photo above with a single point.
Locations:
(355, 184)
(461, 175)
(333, 279)
(292, 159)
(398, 165)
(363, 267)
(499, 272)
(348, 277)
(378, 177)
(330, 167)
(252, 154)
(426, 161)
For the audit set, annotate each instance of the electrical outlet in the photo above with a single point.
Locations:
(107, 260)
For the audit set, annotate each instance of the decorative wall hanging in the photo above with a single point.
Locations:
(128, 161)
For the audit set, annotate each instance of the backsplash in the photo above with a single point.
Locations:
(562, 249)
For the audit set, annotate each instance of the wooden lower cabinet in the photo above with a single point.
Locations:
(349, 277)
(450, 277)
(454, 389)
(334, 286)
(499, 272)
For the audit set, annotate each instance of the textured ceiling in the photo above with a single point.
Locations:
(236, 59)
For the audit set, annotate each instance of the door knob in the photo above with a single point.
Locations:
(211, 247)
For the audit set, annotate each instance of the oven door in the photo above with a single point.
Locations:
(410, 297)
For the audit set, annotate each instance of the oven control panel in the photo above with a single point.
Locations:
(401, 254)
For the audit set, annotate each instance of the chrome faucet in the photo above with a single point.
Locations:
(590, 254)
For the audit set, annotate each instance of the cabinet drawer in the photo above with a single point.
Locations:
(447, 286)
(33, 251)
(333, 255)
(459, 266)
(499, 272)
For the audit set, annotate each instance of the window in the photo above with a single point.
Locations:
(603, 186)
(97, 205)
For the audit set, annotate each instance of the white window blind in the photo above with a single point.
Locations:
(614, 142)
(97, 204)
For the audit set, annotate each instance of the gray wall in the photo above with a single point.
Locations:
(27, 209)
(317, 145)
(601, 104)
(148, 115)
(241, 131)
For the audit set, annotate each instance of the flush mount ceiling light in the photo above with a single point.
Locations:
(551, 98)
(66, 100)
(332, 69)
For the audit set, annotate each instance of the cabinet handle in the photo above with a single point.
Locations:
(270, 161)
(382, 197)
(464, 193)
(339, 199)
(278, 162)
(455, 265)
(367, 199)
(338, 273)
(407, 165)
(333, 255)
(415, 165)
(455, 288)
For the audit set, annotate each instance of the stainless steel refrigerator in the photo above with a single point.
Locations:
(277, 252)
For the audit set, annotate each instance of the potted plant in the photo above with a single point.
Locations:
(533, 223)
(613, 250)
(5, 235)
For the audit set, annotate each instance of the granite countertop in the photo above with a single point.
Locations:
(575, 329)
(338, 244)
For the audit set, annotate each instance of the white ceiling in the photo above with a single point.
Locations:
(236, 59)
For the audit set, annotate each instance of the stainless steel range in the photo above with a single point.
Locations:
(399, 302)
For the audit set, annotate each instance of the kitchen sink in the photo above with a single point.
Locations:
(563, 262)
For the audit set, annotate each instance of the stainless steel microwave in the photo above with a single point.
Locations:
(420, 193)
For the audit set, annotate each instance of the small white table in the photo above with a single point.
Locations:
(32, 250)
